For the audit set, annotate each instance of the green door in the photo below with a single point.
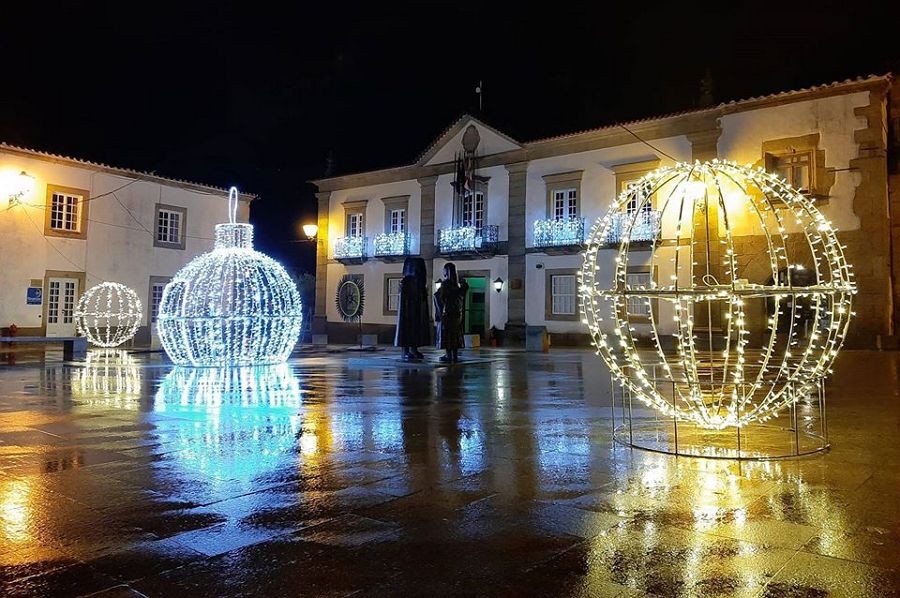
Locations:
(475, 306)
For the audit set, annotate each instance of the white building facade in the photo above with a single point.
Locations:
(536, 200)
(67, 225)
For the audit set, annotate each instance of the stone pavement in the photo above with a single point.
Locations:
(124, 477)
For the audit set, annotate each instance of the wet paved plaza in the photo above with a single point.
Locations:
(344, 474)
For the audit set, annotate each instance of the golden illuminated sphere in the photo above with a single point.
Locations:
(716, 293)
(108, 314)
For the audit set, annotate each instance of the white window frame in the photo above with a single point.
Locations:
(392, 283)
(563, 303)
(638, 307)
(398, 221)
(65, 212)
(156, 292)
(355, 224)
(162, 233)
(473, 208)
(167, 223)
(565, 203)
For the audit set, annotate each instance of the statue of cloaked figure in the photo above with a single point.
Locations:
(413, 320)
(449, 310)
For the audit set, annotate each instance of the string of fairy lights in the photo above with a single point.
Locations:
(108, 314)
(715, 375)
(231, 306)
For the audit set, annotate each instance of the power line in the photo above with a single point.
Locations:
(647, 143)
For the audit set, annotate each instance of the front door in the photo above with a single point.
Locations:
(61, 297)
(475, 306)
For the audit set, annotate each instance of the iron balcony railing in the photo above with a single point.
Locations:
(558, 233)
(459, 239)
(642, 226)
(350, 248)
(389, 244)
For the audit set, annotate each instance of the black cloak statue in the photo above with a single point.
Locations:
(413, 320)
(449, 310)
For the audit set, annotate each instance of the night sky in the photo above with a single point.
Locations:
(259, 96)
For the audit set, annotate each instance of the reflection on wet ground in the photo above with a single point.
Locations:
(333, 476)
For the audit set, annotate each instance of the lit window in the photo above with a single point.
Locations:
(398, 220)
(168, 226)
(355, 224)
(565, 204)
(64, 210)
(794, 168)
(562, 295)
(638, 306)
(393, 294)
(646, 206)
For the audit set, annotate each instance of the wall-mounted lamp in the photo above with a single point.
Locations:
(310, 230)
(18, 187)
(498, 284)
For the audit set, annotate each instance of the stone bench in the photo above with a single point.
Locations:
(74, 347)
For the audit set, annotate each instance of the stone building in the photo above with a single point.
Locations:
(68, 224)
(522, 220)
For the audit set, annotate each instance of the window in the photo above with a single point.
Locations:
(171, 226)
(156, 292)
(391, 294)
(154, 296)
(638, 306)
(64, 212)
(627, 175)
(800, 162)
(396, 210)
(563, 189)
(168, 226)
(562, 295)
(398, 221)
(473, 209)
(355, 224)
(795, 168)
(565, 204)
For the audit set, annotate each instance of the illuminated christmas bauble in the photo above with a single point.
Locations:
(231, 306)
(232, 423)
(108, 314)
(716, 293)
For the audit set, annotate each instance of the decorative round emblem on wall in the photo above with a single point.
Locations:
(350, 298)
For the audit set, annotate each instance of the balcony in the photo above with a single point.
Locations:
(388, 245)
(644, 227)
(351, 249)
(462, 240)
(568, 233)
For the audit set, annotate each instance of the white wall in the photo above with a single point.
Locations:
(373, 280)
(490, 143)
(743, 134)
(116, 248)
(598, 184)
(497, 200)
(498, 266)
(374, 219)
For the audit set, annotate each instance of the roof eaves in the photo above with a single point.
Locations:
(128, 172)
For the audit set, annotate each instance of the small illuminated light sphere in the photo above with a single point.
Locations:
(108, 314)
(231, 306)
(716, 293)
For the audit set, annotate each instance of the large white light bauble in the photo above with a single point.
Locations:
(108, 314)
(748, 300)
(231, 306)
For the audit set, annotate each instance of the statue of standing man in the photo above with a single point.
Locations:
(413, 320)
